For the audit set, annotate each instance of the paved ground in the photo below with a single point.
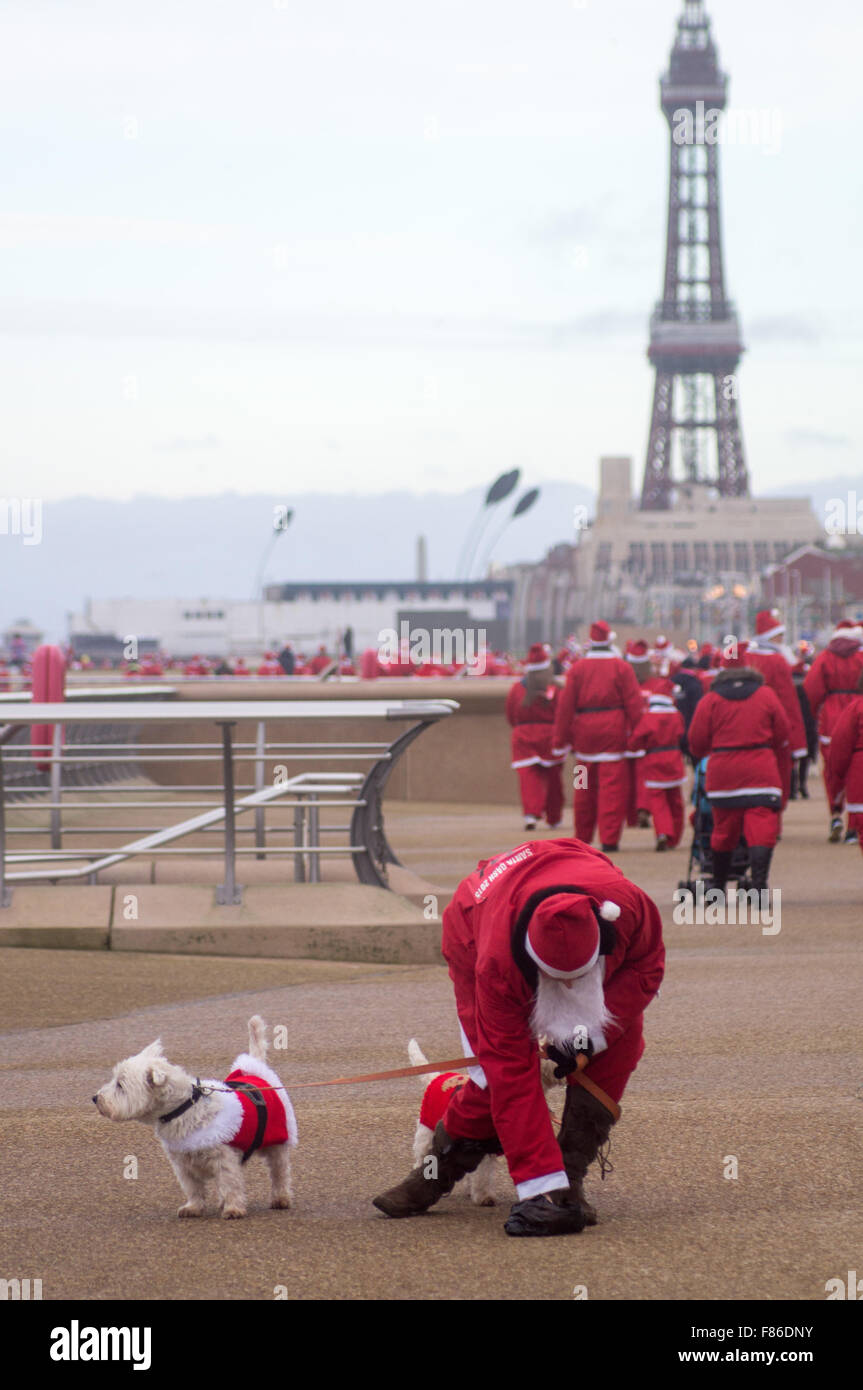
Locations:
(753, 1053)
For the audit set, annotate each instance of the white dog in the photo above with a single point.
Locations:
(209, 1129)
(438, 1087)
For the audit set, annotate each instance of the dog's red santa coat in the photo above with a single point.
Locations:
(495, 995)
(437, 1096)
(236, 1122)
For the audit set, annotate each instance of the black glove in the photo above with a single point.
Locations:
(539, 1217)
(567, 1054)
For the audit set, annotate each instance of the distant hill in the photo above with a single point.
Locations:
(211, 547)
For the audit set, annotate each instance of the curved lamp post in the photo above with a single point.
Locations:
(523, 505)
(280, 525)
(500, 489)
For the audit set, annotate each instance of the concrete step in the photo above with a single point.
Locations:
(339, 921)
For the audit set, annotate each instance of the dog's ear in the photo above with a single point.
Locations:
(153, 1049)
(156, 1077)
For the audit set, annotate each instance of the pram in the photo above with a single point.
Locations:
(700, 852)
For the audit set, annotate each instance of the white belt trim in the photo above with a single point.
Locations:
(824, 738)
(476, 1074)
(599, 757)
(678, 783)
(746, 791)
(799, 752)
(534, 1187)
(543, 762)
(856, 806)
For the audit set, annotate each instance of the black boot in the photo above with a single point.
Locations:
(448, 1160)
(583, 1131)
(721, 868)
(537, 1216)
(759, 865)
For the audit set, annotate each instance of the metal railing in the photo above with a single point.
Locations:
(306, 793)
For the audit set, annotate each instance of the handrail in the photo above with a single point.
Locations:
(367, 842)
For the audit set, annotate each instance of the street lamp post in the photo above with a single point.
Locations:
(281, 521)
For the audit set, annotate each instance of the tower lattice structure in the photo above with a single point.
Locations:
(695, 345)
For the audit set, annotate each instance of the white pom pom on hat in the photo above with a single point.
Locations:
(609, 911)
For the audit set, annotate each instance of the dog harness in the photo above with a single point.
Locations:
(254, 1112)
(264, 1118)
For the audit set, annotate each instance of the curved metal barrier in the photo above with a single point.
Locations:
(306, 793)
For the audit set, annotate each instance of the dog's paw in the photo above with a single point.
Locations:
(281, 1203)
(191, 1209)
(232, 1213)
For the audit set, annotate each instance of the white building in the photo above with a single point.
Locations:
(306, 615)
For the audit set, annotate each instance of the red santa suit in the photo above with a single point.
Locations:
(495, 981)
(845, 755)
(762, 655)
(600, 705)
(320, 662)
(658, 734)
(741, 725)
(269, 666)
(638, 656)
(532, 722)
(829, 687)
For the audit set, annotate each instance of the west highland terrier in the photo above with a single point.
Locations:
(209, 1129)
(439, 1087)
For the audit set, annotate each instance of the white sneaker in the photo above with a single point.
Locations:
(529, 823)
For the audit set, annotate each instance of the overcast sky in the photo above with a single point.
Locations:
(331, 245)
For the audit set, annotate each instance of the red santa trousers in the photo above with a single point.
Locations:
(602, 801)
(542, 791)
(666, 808)
(759, 824)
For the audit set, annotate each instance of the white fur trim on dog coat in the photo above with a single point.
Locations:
(224, 1125)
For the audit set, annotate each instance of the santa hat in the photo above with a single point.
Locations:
(538, 658)
(768, 623)
(736, 657)
(563, 937)
(637, 651)
(848, 628)
(601, 634)
(661, 644)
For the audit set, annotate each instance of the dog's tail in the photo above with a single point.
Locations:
(419, 1059)
(258, 1038)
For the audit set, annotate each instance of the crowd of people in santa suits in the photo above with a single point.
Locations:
(757, 713)
(552, 951)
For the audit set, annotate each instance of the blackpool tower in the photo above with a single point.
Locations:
(695, 347)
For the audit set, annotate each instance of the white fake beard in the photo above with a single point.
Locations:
(558, 1011)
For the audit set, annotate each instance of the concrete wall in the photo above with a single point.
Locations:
(463, 758)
